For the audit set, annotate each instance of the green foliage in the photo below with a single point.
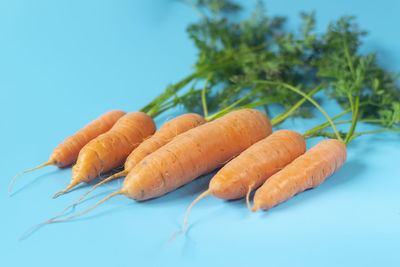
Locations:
(257, 48)
(239, 53)
(355, 80)
(351, 73)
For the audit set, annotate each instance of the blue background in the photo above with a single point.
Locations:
(62, 63)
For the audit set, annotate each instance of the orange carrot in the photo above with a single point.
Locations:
(191, 154)
(67, 152)
(165, 134)
(256, 164)
(162, 136)
(253, 166)
(194, 153)
(110, 149)
(305, 172)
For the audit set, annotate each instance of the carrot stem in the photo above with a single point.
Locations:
(325, 124)
(225, 110)
(373, 132)
(275, 121)
(284, 115)
(153, 109)
(153, 106)
(354, 106)
(203, 95)
(354, 122)
(16, 176)
(310, 99)
(322, 126)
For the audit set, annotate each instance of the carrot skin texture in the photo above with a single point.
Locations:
(67, 152)
(162, 136)
(305, 172)
(110, 149)
(194, 153)
(256, 164)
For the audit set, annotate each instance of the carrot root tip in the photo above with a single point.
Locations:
(202, 195)
(59, 193)
(254, 208)
(174, 235)
(16, 176)
(119, 174)
(72, 184)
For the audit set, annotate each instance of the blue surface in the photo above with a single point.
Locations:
(62, 63)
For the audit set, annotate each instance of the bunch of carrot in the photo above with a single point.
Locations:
(189, 146)
(240, 140)
(237, 139)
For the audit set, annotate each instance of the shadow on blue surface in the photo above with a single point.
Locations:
(350, 171)
(188, 192)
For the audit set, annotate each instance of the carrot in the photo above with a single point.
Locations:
(194, 153)
(253, 166)
(162, 136)
(191, 154)
(165, 134)
(67, 152)
(110, 149)
(305, 172)
(256, 164)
